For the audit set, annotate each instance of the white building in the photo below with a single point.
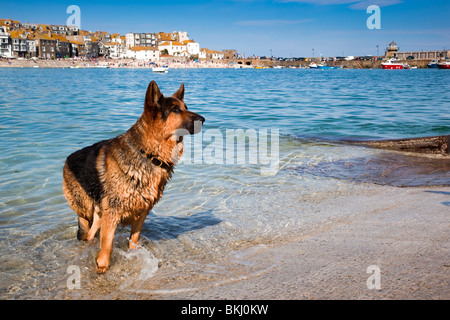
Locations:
(202, 53)
(174, 48)
(145, 53)
(192, 47)
(5, 43)
(181, 36)
(117, 47)
(31, 45)
(216, 54)
(129, 40)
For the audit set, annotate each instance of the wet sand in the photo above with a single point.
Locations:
(402, 231)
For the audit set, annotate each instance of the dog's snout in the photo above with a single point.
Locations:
(194, 123)
(200, 118)
(196, 117)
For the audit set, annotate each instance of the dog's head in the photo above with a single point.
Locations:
(168, 118)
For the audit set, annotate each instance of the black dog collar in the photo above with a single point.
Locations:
(156, 161)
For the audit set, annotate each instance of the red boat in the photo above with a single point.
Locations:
(394, 64)
(444, 65)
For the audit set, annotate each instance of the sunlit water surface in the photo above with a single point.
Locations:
(216, 217)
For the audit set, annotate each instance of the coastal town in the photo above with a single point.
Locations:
(45, 45)
(55, 42)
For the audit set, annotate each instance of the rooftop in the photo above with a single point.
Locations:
(139, 48)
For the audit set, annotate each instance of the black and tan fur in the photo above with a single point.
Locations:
(118, 181)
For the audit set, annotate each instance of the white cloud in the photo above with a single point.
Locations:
(354, 4)
(362, 5)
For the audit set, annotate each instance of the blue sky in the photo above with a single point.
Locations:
(284, 27)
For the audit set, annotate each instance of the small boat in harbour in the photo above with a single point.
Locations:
(433, 64)
(394, 63)
(444, 65)
(160, 69)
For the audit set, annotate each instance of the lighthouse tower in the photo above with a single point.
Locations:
(391, 50)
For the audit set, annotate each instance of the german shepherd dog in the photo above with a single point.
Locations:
(120, 180)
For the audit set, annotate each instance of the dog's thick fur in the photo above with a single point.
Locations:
(120, 180)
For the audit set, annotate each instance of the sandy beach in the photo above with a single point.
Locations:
(111, 63)
(402, 231)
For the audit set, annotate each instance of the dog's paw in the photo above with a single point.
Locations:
(102, 270)
(102, 263)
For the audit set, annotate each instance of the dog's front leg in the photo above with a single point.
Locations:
(136, 227)
(107, 230)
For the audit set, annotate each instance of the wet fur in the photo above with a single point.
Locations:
(114, 182)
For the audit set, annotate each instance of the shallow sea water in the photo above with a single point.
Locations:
(216, 218)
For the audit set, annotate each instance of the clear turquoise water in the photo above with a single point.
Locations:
(210, 212)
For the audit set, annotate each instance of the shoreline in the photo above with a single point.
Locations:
(175, 64)
(120, 63)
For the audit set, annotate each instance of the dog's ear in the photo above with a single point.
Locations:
(152, 96)
(180, 93)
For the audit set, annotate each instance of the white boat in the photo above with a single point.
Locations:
(315, 65)
(160, 69)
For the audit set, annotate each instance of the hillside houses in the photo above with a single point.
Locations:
(43, 41)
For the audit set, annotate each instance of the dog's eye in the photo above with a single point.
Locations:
(176, 110)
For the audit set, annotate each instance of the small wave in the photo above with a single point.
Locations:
(144, 259)
(237, 265)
